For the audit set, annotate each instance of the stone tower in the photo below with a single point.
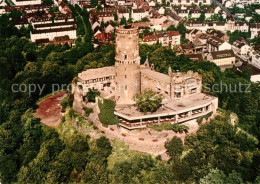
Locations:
(127, 64)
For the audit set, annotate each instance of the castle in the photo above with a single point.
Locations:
(182, 101)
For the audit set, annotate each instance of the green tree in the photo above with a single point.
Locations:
(216, 176)
(202, 16)
(101, 151)
(144, 19)
(94, 3)
(174, 147)
(106, 115)
(123, 21)
(148, 101)
(115, 17)
(95, 173)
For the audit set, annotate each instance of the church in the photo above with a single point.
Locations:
(182, 95)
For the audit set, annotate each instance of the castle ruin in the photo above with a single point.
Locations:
(183, 99)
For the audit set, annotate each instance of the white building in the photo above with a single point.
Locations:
(123, 13)
(171, 38)
(121, 2)
(222, 58)
(2, 7)
(200, 25)
(158, 23)
(216, 44)
(255, 59)
(26, 2)
(242, 26)
(192, 35)
(190, 2)
(240, 48)
(52, 30)
(239, 3)
(138, 14)
(255, 29)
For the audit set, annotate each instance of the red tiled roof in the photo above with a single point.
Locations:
(104, 36)
(173, 33)
(149, 38)
(146, 7)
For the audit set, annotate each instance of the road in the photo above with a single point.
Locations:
(222, 7)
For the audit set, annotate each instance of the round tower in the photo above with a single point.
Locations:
(127, 64)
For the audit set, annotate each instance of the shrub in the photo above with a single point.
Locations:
(92, 94)
(67, 101)
(106, 115)
(87, 110)
(148, 101)
(206, 116)
(177, 128)
(174, 147)
(180, 128)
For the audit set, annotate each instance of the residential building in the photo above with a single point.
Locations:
(255, 29)
(195, 57)
(190, 2)
(103, 38)
(171, 38)
(255, 59)
(26, 2)
(52, 30)
(150, 39)
(192, 34)
(138, 14)
(216, 44)
(222, 58)
(217, 33)
(242, 26)
(240, 47)
(174, 18)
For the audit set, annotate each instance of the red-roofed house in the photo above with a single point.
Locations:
(170, 38)
(103, 38)
(150, 39)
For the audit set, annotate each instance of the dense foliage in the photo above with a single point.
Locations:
(236, 34)
(33, 153)
(106, 115)
(92, 94)
(177, 128)
(249, 9)
(148, 101)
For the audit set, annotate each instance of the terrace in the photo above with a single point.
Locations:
(172, 111)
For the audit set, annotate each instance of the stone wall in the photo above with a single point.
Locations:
(127, 65)
(78, 102)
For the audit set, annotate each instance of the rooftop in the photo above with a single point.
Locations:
(222, 54)
(169, 107)
(195, 57)
(156, 75)
(97, 73)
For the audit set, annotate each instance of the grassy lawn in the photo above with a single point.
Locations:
(121, 153)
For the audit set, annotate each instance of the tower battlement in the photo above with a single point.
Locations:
(127, 29)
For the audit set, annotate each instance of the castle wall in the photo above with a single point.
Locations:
(157, 86)
(175, 85)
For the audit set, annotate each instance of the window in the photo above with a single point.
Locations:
(125, 87)
(125, 56)
(125, 76)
